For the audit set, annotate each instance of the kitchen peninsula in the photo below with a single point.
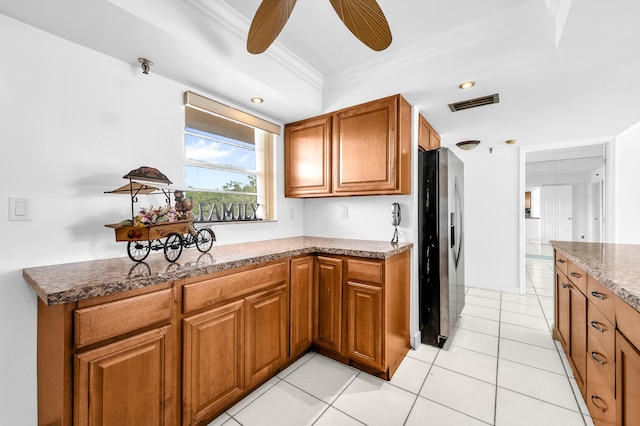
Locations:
(178, 343)
(596, 319)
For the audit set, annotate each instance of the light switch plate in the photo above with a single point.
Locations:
(19, 208)
(344, 212)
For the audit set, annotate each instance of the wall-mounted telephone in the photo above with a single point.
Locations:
(396, 217)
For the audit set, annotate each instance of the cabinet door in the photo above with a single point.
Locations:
(428, 138)
(364, 323)
(126, 382)
(563, 310)
(301, 304)
(266, 333)
(627, 382)
(365, 148)
(213, 361)
(327, 327)
(578, 339)
(307, 169)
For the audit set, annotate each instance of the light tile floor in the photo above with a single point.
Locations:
(500, 367)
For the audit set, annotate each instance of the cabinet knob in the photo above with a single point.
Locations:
(598, 295)
(597, 326)
(595, 356)
(561, 261)
(565, 285)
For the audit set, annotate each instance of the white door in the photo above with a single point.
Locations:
(555, 213)
(564, 200)
(547, 215)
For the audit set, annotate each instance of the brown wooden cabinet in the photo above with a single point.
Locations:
(267, 336)
(563, 304)
(578, 341)
(238, 341)
(109, 360)
(364, 323)
(209, 386)
(610, 385)
(307, 158)
(370, 330)
(301, 314)
(627, 382)
(369, 151)
(428, 138)
(182, 352)
(327, 325)
(627, 389)
(570, 327)
(128, 382)
(600, 396)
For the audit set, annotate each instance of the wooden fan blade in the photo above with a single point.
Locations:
(267, 23)
(365, 20)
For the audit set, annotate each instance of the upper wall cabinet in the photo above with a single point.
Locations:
(307, 166)
(362, 150)
(428, 138)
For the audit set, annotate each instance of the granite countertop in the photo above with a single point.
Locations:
(614, 265)
(72, 282)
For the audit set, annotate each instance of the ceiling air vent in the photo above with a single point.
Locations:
(473, 103)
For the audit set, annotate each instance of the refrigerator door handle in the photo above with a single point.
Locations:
(452, 228)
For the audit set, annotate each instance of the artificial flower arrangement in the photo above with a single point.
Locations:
(152, 216)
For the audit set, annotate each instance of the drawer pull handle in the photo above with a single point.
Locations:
(595, 356)
(598, 295)
(565, 285)
(561, 261)
(593, 399)
(595, 325)
(575, 275)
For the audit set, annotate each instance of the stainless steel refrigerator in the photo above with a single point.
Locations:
(440, 243)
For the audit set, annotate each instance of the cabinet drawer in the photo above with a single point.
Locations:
(601, 297)
(601, 403)
(107, 320)
(215, 290)
(600, 365)
(561, 262)
(365, 270)
(577, 276)
(601, 329)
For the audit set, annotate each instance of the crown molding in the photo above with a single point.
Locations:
(228, 19)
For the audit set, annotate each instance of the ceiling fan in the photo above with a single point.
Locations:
(363, 18)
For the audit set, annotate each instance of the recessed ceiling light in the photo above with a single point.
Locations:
(257, 100)
(467, 85)
(510, 141)
(467, 145)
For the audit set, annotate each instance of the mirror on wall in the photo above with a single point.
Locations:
(565, 193)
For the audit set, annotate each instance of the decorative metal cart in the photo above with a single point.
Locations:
(170, 237)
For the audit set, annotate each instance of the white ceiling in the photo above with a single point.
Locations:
(580, 87)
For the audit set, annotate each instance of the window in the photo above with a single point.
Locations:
(228, 162)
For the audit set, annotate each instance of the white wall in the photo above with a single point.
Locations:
(626, 222)
(493, 213)
(73, 123)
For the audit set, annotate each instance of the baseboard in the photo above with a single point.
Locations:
(415, 340)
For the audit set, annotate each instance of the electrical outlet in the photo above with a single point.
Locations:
(345, 212)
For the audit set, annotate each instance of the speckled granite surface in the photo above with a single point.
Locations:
(71, 282)
(617, 266)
